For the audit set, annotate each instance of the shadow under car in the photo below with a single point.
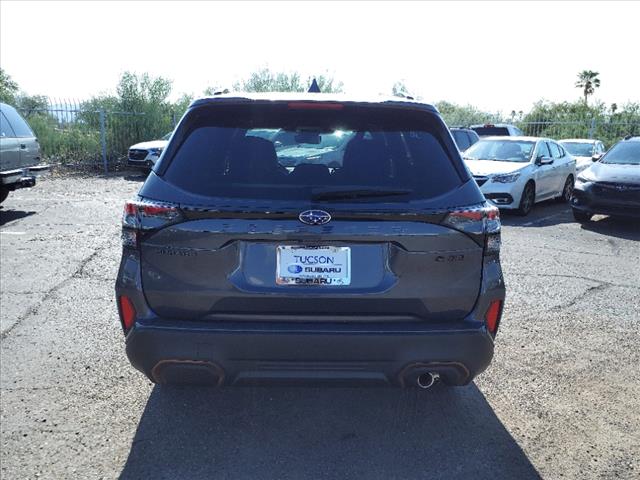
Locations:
(302, 432)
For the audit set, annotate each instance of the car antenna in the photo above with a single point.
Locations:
(314, 88)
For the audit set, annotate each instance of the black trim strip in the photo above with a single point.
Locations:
(425, 217)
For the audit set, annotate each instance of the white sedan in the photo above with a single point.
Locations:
(584, 150)
(516, 172)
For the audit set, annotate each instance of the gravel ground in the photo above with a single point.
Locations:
(560, 399)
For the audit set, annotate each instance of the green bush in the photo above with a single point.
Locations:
(65, 142)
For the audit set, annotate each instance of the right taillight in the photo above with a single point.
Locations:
(492, 316)
(481, 220)
(140, 215)
(127, 312)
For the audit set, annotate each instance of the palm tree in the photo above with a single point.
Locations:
(588, 81)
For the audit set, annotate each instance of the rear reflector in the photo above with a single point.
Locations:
(493, 315)
(127, 312)
(315, 106)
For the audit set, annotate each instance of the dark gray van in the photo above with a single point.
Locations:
(381, 267)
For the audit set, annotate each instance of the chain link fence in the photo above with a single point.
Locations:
(606, 129)
(71, 132)
(76, 132)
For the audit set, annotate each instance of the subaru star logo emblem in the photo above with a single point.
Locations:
(314, 217)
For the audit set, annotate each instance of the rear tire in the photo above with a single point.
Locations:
(567, 190)
(4, 193)
(581, 217)
(527, 200)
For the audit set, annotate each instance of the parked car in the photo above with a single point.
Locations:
(497, 129)
(584, 150)
(383, 270)
(611, 186)
(326, 148)
(146, 154)
(517, 172)
(464, 137)
(19, 152)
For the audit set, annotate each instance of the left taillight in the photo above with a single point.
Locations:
(143, 215)
(481, 220)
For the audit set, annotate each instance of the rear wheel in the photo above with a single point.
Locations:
(4, 193)
(567, 191)
(527, 199)
(580, 216)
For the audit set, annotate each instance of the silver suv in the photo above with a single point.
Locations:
(19, 152)
(241, 266)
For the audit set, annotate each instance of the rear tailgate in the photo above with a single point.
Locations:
(222, 269)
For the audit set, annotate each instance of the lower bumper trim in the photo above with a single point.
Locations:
(251, 357)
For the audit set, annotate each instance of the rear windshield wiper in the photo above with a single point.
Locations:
(356, 193)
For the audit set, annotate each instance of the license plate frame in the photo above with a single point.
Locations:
(322, 265)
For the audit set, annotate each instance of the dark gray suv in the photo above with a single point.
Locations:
(380, 268)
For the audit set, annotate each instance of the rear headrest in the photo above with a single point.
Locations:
(365, 159)
(510, 148)
(253, 155)
(310, 174)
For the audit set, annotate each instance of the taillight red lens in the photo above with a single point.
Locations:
(127, 312)
(493, 315)
(145, 215)
(477, 219)
(157, 210)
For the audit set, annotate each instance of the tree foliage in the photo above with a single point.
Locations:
(579, 120)
(8, 88)
(31, 104)
(588, 81)
(140, 109)
(463, 115)
(266, 80)
(399, 89)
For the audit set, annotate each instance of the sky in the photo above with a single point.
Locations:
(498, 56)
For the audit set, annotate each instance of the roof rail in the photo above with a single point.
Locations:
(221, 92)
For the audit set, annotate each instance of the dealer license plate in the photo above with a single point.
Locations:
(329, 266)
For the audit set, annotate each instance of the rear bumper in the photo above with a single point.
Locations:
(140, 163)
(22, 177)
(237, 353)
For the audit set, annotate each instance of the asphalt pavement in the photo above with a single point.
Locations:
(560, 399)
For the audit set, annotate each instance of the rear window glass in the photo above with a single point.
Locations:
(578, 149)
(624, 153)
(18, 125)
(491, 131)
(276, 152)
(461, 139)
(501, 150)
(5, 128)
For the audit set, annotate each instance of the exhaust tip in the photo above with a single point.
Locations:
(427, 380)
(194, 372)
